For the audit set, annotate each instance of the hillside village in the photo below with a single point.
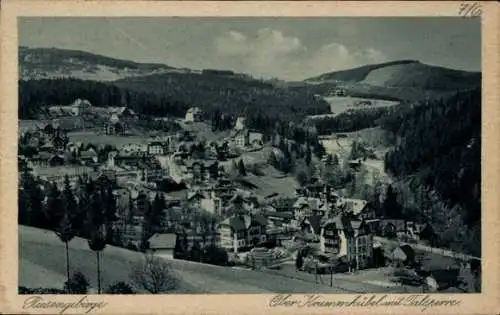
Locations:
(186, 190)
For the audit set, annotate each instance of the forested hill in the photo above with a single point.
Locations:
(405, 73)
(231, 94)
(405, 80)
(439, 145)
(356, 74)
(173, 94)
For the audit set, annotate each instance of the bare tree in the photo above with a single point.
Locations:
(154, 274)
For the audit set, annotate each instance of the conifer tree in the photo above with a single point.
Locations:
(66, 231)
(97, 231)
(241, 168)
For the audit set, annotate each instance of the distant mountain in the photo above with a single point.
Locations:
(407, 73)
(404, 80)
(355, 74)
(47, 63)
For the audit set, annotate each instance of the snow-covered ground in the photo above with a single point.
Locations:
(42, 264)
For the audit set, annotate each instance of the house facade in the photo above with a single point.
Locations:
(193, 115)
(196, 237)
(256, 140)
(156, 148)
(162, 244)
(343, 236)
(211, 203)
(308, 206)
(135, 147)
(242, 231)
(240, 123)
(241, 138)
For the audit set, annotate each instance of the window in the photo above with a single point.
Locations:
(332, 241)
(329, 233)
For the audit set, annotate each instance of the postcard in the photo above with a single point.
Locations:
(249, 157)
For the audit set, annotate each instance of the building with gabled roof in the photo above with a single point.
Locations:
(242, 231)
(346, 236)
(162, 244)
(240, 137)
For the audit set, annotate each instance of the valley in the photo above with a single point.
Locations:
(192, 156)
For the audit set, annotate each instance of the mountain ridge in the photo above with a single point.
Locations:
(359, 73)
(401, 80)
(43, 63)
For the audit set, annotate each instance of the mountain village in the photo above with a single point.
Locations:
(217, 193)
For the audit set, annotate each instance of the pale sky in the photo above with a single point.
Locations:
(287, 48)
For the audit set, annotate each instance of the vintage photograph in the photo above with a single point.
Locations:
(199, 155)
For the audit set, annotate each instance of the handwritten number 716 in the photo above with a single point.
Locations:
(470, 9)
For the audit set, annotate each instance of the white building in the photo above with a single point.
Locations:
(134, 147)
(193, 114)
(211, 203)
(240, 123)
(156, 148)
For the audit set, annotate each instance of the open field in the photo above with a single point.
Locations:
(375, 138)
(253, 157)
(272, 181)
(49, 269)
(340, 146)
(268, 185)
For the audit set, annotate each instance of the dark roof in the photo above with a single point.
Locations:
(399, 224)
(195, 194)
(284, 215)
(426, 231)
(445, 277)
(237, 223)
(260, 219)
(204, 163)
(242, 222)
(56, 156)
(315, 221)
(405, 253)
(341, 222)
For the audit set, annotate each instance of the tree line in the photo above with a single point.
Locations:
(438, 151)
(88, 210)
(172, 95)
(351, 120)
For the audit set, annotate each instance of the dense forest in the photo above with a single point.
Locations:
(232, 95)
(352, 120)
(36, 95)
(439, 147)
(172, 95)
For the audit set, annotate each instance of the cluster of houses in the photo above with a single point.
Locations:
(340, 227)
